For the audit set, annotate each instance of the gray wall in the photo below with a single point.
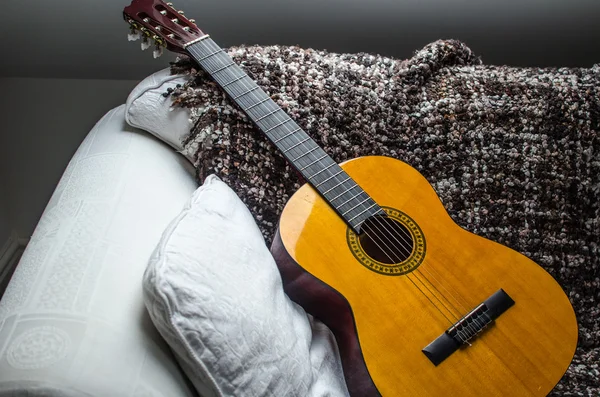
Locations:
(43, 123)
(44, 120)
(87, 39)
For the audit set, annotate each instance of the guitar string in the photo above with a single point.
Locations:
(386, 253)
(380, 222)
(397, 260)
(469, 326)
(418, 271)
(431, 273)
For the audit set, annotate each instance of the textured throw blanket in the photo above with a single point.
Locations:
(513, 153)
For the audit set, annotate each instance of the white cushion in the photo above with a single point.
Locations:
(149, 110)
(72, 320)
(214, 292)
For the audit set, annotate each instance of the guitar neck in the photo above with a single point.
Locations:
(341, 192)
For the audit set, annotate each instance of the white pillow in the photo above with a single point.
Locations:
(214, 292)
(149, 110)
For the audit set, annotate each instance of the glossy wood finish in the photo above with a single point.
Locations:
(161, 23)
(525, 352)
(324, 302)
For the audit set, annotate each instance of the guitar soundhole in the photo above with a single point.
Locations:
(386, 240)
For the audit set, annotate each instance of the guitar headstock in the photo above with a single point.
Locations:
(158, 22)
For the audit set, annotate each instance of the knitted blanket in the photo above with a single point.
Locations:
(513, 153)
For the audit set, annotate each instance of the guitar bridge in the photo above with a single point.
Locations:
(467, 328)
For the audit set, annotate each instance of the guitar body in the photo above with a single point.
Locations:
(382, 322)
(419, 306)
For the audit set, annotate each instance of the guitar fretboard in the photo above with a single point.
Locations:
(348, 199)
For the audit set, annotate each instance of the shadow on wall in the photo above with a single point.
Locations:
(44, 121)
(512, 32)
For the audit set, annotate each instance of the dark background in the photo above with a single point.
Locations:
(65, 63)
(87, 38)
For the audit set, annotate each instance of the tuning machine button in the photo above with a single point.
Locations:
(134, 34)
(145, 43)
(158, 51)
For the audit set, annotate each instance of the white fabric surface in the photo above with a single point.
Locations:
(214, 292)
(73, 321)
(148, 110)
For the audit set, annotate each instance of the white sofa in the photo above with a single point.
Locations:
(72, 320)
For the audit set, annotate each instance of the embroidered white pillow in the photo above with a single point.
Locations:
(149, 110)
(214, 292)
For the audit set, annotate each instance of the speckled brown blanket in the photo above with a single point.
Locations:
(513, 153)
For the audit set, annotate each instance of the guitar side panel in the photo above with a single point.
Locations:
(329, 306)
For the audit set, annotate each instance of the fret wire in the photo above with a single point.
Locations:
(209, 52)
(243, 100)
(223, 68)
(324, 169)
(344, 192)
(367, 199)
(257, 103)
(287, 135)
(362, 212)
(316, 161)
(217, 75)
(219, 62)
(267, 115)
(210, 55)
(296, 144)
(334, 175)
(247, 92)
(339, 184)
(233, 81)
(248, 95)
(278, 125)
(351, 198)
(305, 154)
(232, 92)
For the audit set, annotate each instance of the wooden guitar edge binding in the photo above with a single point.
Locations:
(312, 294)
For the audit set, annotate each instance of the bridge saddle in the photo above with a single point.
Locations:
(468, 327)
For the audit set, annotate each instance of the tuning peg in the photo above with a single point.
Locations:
(158, 51)
(170, 4)
(134, 35)
(192, 21)
(145, 43)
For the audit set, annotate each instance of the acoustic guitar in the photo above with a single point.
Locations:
(418, 305)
